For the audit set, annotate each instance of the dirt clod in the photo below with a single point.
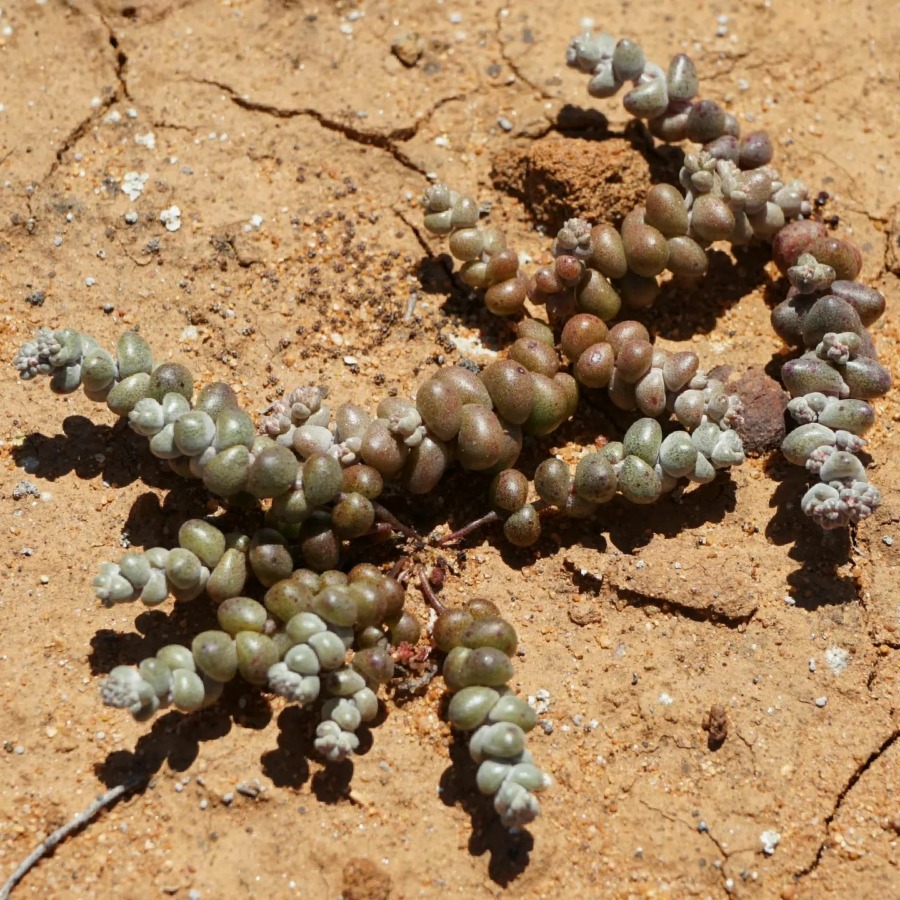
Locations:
(716, 725)
(363, 880)
(561, 177)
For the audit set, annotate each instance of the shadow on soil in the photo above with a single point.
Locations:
(821, 554)
(510, 854)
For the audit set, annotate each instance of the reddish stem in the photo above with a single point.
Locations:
(465, 531)
(429, 594)
(383, 514)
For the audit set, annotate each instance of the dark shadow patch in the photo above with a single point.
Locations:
(510, 852)
(821, 554)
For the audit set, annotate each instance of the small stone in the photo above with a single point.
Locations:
(133, 184)
(838, 659)
(171, 218)
(769, 840)
(716, 726)
(25, 489)
(821, 701)
(762, 428)
(408, 48)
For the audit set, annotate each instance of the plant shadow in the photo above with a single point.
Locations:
(174, 739)
(821, 554)
(510, 852)
(115, 453)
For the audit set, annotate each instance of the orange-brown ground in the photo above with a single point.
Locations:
(636, 625)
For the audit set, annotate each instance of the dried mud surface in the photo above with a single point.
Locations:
(637, 625)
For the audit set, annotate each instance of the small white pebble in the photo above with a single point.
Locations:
(133, 184)
(90, 282)
(821, 701)
(147, 140)
(838, 659)
(888, 541)
(171, 218)
(812, 664)
(769, 840)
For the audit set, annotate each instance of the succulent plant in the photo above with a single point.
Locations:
(291, 622)
(830, 386)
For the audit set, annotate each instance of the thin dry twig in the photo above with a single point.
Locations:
(50, 842)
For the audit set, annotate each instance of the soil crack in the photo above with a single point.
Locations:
(109, 99)
(851, 783)
(514, 67)
(387, 141)
(121, 58)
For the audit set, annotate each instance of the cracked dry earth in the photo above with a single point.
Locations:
(294, 142)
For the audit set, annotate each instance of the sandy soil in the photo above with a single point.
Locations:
(303, 116)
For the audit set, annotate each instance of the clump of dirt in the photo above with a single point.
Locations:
(560, 177)
(364, 881)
